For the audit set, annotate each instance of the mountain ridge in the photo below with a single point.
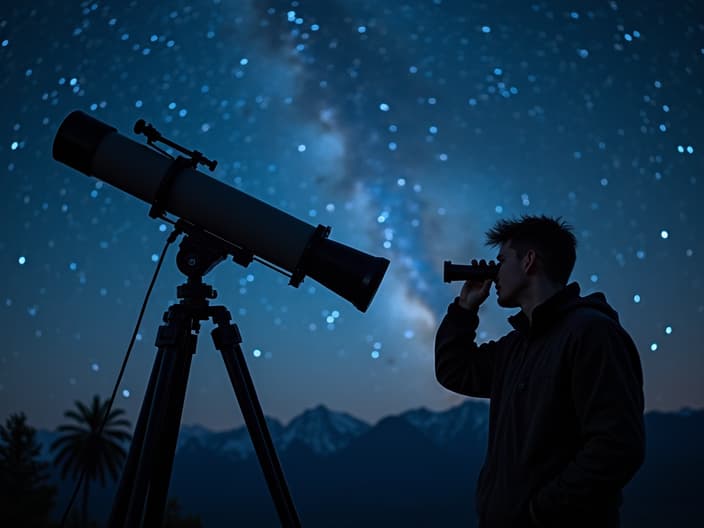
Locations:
(416, 468)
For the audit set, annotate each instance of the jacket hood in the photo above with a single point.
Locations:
(557, 306)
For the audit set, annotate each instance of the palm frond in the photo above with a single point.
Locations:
(71, 427)
(119, 423)
(74, 416)
(83, 409)
(67, 439)
(80, 447)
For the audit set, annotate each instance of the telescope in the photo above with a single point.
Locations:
(219, 221)
(285, 243)
(469, 272)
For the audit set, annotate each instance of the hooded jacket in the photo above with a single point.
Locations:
(566, 430)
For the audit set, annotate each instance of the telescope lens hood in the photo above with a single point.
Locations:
(78, 139)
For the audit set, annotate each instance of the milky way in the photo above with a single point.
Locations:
(408, 127)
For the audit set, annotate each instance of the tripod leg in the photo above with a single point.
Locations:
(164, 458)
(176, 344)
(122, 497)
(227, 340)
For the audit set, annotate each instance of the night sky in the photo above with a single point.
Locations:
(409, 127)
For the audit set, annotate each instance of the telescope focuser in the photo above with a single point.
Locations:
(153, 135)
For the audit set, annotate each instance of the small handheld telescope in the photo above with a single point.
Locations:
(469, 272)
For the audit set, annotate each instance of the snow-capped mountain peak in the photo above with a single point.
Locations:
(443, 426)
(322, 430)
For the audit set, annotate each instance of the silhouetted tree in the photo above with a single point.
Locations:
(25, 497)
(83, 448)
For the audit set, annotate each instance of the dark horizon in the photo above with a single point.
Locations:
(425, 459)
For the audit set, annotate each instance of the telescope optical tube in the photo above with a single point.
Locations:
(97, 149)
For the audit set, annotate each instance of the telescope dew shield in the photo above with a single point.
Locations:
(97, 149)
(78, 139)
(351, 274)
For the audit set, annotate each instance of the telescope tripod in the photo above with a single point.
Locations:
(142, 492)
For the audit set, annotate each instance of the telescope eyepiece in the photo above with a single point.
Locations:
(142, 127)
(139, 126)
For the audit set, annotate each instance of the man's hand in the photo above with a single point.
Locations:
(473, 294)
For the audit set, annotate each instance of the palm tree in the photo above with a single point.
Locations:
(82, 448)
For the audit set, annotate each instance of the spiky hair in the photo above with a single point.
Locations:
(550, 238)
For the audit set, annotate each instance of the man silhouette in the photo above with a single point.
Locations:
(565, 386)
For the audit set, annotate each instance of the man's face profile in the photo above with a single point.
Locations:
(510, 278)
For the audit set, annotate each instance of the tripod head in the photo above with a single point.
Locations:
(199, 252)
(196, 258)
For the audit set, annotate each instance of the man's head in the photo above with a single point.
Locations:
(533, 249)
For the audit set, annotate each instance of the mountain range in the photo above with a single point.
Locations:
(418, 468)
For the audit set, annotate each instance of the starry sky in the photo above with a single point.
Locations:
(409, 127)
